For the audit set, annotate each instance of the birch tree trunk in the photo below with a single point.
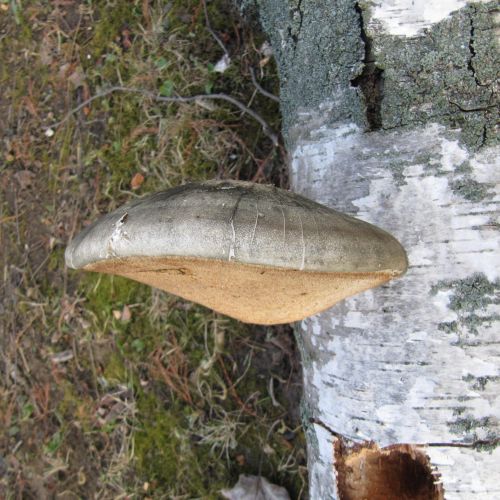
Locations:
(390, 109)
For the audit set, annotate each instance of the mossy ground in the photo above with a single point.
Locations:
(110, 389)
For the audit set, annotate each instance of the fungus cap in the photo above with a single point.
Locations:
(253, 252)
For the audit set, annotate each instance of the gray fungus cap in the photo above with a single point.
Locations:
(254, 252)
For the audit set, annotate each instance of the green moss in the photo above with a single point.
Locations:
(112, 19)
(168, 455)
(115, 369)
(75, 407)
(178, 442)
(56, 258)
(106, 292)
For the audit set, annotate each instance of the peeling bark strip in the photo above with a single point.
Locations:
(417, 361)
(409, 18)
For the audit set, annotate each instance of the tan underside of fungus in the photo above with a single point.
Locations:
(250, 293)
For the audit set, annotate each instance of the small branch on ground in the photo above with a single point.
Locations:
(233, 392)
(175, 99)
(211, 31)
(260, 89)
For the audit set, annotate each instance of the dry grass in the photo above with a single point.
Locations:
(109, 389)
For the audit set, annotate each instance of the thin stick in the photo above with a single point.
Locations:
(246, 408)
(212, 32)
(221, 97)
(260, 89)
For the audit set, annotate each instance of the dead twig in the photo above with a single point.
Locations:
(260, 174)
(260, 89)
(175, 99)
(175, 374)
(211, 31)
(233, 392)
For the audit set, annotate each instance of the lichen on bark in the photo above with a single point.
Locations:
(333, 52)
(447, 74)
(319, 50)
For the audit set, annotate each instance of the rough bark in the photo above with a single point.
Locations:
(389, 114)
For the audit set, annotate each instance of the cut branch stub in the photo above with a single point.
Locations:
(253, 252)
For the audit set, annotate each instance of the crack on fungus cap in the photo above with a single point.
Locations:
(253, 252)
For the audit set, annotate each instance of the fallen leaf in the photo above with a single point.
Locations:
(255, 488)
(266, 49)
(264, 61)
(268, 450)
(126, 313)
(137, 181)
(125, 39)
(86, 97)
(62, 357)
(222, 64)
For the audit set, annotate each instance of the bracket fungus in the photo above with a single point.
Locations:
(253, 252)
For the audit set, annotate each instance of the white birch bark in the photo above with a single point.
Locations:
(416, 361)
(407, 363)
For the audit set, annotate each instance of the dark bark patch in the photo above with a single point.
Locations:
(447, 74)
(398, 472)
(318, 49)
(371, 80)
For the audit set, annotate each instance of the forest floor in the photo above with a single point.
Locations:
(108, 388)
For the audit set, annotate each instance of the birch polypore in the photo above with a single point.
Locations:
(256, 253)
